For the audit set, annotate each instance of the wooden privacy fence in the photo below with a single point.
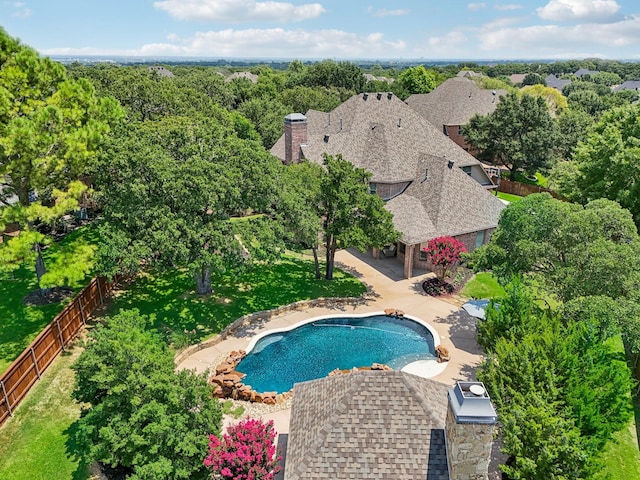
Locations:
(26, 370)
(523, 189)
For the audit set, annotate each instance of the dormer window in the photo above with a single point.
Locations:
(467, 170)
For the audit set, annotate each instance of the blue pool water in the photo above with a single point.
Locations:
(312, 350)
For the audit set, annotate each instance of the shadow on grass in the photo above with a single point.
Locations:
(19, 323)
(169, 298)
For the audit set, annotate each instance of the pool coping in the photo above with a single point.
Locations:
(426, 368)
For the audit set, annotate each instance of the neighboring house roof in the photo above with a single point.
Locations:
(248, 75)
(468, 73)
(368, 425)
(454, 102)
(383, 135)
(628, 85)
(163, 72)
(371, 77)
(584, 71)
(517, 78)
(554, 82)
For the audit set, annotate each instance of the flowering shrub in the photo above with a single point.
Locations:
(444, 253)
(246, 452)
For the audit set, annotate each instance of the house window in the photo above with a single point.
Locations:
(402, 248)
(459, 129)
(479, 239)
(444, 130)
(373, 188)
(467, 170)
(423, 256)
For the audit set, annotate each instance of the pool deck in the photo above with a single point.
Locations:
(457, 329)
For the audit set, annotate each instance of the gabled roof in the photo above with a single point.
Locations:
(628, 85)
(448, 203)
(377, 132)
(554, 82)
(371, 77)
(253, 78)
(368, 425)
(383, 135)
(584, 71)
(162, 71)
(517, 78)
(454, 102)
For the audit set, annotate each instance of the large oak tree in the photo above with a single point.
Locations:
(519, 134)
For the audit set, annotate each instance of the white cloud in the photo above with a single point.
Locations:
(21, 10)
(237, 11)
(555, 41)
(263, 43)
(383, 12)
(476, 6)
(587, 10)
(508, 7)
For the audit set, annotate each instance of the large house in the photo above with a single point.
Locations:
(389, 425)
(432, 186)
(451, 105)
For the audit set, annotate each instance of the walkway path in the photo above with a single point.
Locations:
(456, 328)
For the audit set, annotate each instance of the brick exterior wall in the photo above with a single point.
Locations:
(295, 134)
(468, 239)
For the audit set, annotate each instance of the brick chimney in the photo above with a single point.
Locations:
(469, 427)
(295, 135)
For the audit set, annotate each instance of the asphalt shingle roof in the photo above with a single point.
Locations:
(383, 135)
(368, 425)
(454, 102)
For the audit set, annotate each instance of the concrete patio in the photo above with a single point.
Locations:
(388, 289)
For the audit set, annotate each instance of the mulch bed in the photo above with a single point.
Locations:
(436, 288)
(47, 296)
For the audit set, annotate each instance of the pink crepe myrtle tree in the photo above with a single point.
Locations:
(246, 452)
(444, 253)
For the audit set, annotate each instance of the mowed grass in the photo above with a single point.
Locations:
(509, 197)
(35, 441)
(621, 456)
(169, 297)
(482, 285)
(19, 323)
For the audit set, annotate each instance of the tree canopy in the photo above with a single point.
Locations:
(579, 251)
(143, 417)
(51, 131)
(607, 161)
(519, 134)
(169, 191)
(352, 216)
(561, 391)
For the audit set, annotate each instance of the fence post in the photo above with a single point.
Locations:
(6, 398)
(35, 362)
(81, 307)
(98, 282)
(60, 334)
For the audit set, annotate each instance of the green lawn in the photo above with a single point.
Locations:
(35, 442)
(170, 300)
(621, 455)
(19, 323)
(508, 197)
(482, 285)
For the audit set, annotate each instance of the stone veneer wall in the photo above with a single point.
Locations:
(468, 448)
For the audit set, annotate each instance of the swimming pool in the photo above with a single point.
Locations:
(279, 358)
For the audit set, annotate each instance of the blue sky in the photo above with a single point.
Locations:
(339, 29)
